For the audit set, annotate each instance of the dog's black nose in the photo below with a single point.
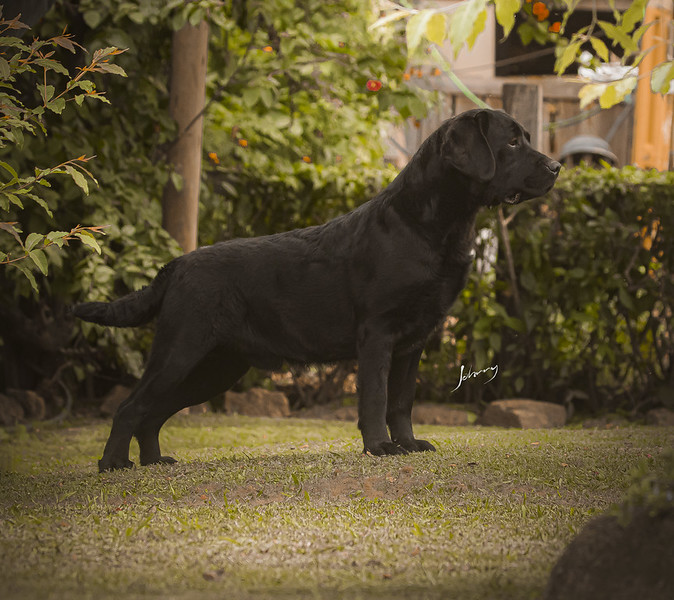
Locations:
(554, 166)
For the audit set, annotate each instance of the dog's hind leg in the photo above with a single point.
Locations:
(401, 386)
(174, 355)
(216, 372)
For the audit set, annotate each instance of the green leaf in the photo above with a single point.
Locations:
(52, 65)
(46, 92)
(41, 203)
(10, 170)
(250, 96)
(625, 299)
(589, 93)
(600, 48)
(78, 178)
(505, 14)
(111, 68)
(14, 199)
(436, 28)
(465, 21)
(92, 18)
(661, 77)
(4, 68)
(40, 259)
(28, 274)
(415, 29)
(57, 105)
(567, 57)
(616, 92)
(619, 35)
(33, 240)
(57, 237)
(480, 23)
(89, 240)
(634, 14)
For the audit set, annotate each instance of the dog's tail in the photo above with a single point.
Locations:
(131, 310)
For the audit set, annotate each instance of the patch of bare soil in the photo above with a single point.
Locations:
(391, 486)
(340, 486)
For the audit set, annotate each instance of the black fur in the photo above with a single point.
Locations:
(371, 284)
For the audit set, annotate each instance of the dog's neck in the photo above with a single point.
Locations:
(431, 197)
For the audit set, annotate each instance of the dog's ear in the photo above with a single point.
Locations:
(466, 148)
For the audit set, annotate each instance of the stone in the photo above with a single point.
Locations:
(111, 401)
(11, 412)
(257, 402)
(34, 406)
(605, 422)
(345, 413)
(437, 414)
(523, 414)
(660, 416)
(612, 561)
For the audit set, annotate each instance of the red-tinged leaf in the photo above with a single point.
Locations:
(64, 42)
(16, 24)
(106, 67)
(9, 227)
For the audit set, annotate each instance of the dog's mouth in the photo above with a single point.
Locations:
(515, 198)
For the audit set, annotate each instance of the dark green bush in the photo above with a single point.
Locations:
(594, 262)
(292, 136)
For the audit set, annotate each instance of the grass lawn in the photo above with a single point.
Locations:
(259, 508)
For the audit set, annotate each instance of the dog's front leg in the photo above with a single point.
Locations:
(374, 361)
(402, 383)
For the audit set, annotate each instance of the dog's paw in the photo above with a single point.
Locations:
(384, 449)
(107, 464)
(415, 445)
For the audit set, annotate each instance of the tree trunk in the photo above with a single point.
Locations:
(188, 92)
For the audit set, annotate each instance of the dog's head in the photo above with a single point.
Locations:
(493, 151)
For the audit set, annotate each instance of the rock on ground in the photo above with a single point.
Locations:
(257, 402)
(525, 414)
(607, 561)
(660, 416)
(438, 414)
(34, 406)
(11, 412)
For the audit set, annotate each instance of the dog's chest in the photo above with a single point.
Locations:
(422, 307)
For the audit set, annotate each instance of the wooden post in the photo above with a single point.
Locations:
(188, 94)
(524, 102)
(653, 112)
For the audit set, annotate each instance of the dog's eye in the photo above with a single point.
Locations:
(514, 142)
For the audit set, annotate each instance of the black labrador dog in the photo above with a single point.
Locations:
(371, 284)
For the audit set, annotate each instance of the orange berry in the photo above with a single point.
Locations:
(214, 157)
(541, 11)
(406, 76)
(243, 143)
(306, 159)
(267, 49)
(555, 27)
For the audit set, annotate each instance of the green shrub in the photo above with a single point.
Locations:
(594, 262)
(288, 78)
